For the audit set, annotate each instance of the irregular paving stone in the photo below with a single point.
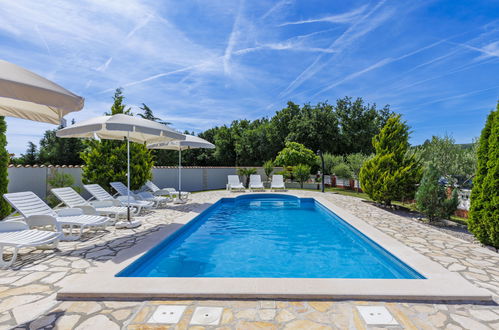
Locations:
(244, 325)
(42, 322)
(227, 316)
(305, 324)
(28, 312)
(16, 301)
(32, 288)
(438, 319)
(86, 307)
(31, 278)
(468, 323)
(122, 314)
(248, 314)
(320, 306)
(266, 314)
(80, 263)
(284, 316)
(484, 314)
(66, 322)
(98, 322)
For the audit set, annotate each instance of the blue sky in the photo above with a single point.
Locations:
(203, 63)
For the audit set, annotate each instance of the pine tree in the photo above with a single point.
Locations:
(4, 163)
(392, 173)
(483, 221)
(106, 160)
(31, 155)
(431, 197)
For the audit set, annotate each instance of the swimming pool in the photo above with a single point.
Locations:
(270, 236)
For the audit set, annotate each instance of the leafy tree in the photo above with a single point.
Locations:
(148, 114)
(431, 196)
(330, 161)
(301, 172)
(392, 173)
(342, 170)
(355, 162)
(455, 163)
(4, 163)
(295, 153)
(315, 127)
(31, 157)
(268, 168)
(483, 221)
(106, 160)
(246, 173)
(58, 151)
(358, 123)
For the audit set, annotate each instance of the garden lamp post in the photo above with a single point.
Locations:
(319, 153)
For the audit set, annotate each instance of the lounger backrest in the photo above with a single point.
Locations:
(120, 188)
(69, 197)
(277, 180)
(255, 179)
(233, 180)
(151, 186)
(27, 203)
(98, 192)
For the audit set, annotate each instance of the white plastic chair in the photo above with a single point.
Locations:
(101, 194)
(277, 182)
(255, 183)
(37, 213)
(144, 196)
(71, 198)
(16, 235)
(152, 187)
(234, 184)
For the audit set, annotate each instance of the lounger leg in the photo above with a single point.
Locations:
(71, 236)
(7, 264)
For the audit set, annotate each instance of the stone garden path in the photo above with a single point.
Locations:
(28, 291)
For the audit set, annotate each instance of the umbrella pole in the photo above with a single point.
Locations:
(179, 173)
(128, 175)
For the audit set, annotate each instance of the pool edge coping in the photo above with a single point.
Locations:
(440, 284)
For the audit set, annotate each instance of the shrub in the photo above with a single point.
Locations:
(245, 173)
(4, 164)
(268, 168)
(294, 154)
(342, 171)
(301, 173)
(431, 196)
(391, 174)
(355, 162)
(330, 161)
(484, 209)
(58, 179)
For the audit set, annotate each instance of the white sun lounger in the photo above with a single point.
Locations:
(152, 187)
(16, 235)
(277, 182)
(145, 195)
(255, 183)
(37, 213)
(234, 184)
(102, 195)
(71, 198)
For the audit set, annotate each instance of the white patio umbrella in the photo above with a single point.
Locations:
(24, 94)
(190, 142)
(122, 127)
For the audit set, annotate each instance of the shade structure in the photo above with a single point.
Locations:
(26, 95)
(190, 142)
(122, 127)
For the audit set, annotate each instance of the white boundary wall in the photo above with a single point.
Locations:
(193, 178)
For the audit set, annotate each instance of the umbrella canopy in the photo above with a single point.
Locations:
(120, 127)
(190, 142)
(26, 95)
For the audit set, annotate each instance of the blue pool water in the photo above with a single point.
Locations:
(269, 235)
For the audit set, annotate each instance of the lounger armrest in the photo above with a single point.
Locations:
(99, 204)
(6, 226)
(71, 212)
(42, 220)
(87, 209)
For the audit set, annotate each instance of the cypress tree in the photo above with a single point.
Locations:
(106, 160)
(391, 174)
(483, 221)
(4, 163)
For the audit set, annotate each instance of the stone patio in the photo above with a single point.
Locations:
(28, 291)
